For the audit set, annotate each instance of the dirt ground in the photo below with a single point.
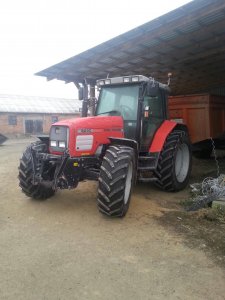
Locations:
(63, 248)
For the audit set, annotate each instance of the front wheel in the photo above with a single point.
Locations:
(38, 191)
(116, 181)
(174, 166)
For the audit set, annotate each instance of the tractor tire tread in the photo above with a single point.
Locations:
(39, 191)
(165, 169)
(112, 180)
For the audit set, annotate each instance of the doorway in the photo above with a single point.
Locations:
(33, 126)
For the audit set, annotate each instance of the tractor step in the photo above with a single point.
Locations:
(148, 162)
(147, 168)
(146, 158)
(153, 179)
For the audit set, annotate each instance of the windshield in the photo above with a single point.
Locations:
(122, 100)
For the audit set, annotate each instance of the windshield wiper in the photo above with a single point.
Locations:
(109, 112)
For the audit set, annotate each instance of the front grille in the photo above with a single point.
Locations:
(59, 135)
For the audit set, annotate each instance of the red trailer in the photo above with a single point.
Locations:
(204, 115)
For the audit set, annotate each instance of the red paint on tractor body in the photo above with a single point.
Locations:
(161, 135)
(100, 127)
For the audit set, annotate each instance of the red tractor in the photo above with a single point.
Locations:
(128, 139)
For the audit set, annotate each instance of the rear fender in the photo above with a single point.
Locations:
(162, 133)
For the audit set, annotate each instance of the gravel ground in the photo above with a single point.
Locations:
(64, 249)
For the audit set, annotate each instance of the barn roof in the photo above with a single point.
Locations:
(188, 41)
(28, 104)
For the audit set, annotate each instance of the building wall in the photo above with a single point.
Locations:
(19, 128)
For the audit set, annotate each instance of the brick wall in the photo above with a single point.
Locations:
(19, 128)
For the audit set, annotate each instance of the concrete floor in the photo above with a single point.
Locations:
(64, 249)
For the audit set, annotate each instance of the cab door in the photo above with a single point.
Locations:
(154, 113)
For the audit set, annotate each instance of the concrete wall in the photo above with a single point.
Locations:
(19, 128)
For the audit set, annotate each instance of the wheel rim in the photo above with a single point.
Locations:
(128, 182)
(182, 162)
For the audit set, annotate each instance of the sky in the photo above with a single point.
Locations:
(36, 34)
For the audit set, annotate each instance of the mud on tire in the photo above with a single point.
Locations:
(39, 191)
(174, 165)
(116, 180)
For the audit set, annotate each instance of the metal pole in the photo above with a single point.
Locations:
(92, 100)
(85, 102)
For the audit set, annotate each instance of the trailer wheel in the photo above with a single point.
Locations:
(174, 166)
(38, 191)
(116, 181)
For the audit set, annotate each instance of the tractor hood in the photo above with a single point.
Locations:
(84, 136)
(98, 122)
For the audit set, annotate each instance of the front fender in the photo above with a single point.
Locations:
(44, 139)
(125, 142)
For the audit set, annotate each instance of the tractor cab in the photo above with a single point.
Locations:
(142, 103)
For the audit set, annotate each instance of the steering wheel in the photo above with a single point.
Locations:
(126, 112)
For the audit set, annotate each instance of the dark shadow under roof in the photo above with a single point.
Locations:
(188, 41)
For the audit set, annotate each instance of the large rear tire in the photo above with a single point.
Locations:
(38, 191)
(174, 165)
(116, 181)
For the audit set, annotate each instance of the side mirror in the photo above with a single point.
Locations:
(81, 93)
(152, 89)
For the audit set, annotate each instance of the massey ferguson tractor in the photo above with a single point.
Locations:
(129, 139)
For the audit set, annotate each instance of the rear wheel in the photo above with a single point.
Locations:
(38, 191)
(174, 166)
(116, 181)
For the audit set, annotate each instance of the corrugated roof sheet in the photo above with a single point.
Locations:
(189, 42)
(29, 104)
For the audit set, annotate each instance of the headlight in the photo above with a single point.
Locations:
(53, 143)
(62, 145)
(101, 82)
